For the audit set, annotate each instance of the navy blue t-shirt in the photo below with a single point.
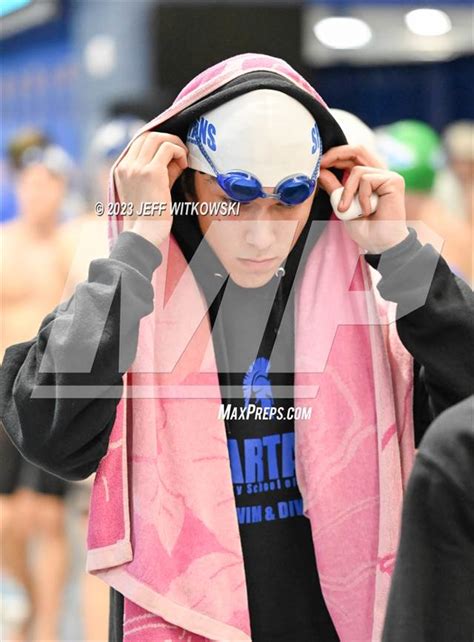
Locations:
(284, 592)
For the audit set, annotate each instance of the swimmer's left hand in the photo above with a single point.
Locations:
(387, 226)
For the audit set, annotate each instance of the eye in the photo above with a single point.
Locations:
(283, 206)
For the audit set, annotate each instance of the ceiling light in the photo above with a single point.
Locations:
(428, 22)
(100, 55)
(342, 32)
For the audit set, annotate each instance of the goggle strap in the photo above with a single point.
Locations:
(207, 157)
(318, 164)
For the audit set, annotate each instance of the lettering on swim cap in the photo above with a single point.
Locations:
(205, 132)
(315, 139)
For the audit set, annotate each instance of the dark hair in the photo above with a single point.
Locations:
(22, 142)
(186, 186)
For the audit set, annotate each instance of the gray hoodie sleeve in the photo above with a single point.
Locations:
(67, 434)
(435, 313)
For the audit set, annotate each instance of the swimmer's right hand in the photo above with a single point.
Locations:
(145, 176)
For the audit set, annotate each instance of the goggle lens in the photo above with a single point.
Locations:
(295, 193)
(244, 188)
(240, 187)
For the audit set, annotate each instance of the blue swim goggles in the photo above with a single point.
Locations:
(245, 187)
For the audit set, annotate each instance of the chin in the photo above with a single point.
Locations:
(251, 280)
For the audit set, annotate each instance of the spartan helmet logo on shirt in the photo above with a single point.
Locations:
(256, 383)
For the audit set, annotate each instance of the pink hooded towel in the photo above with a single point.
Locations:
(163, 526)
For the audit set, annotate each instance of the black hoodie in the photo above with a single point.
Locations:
(432, 593)
(70, 436)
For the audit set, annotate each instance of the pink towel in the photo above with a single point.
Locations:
(163, 526)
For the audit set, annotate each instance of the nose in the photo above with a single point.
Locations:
(260, 231)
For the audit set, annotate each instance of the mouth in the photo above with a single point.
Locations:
(258, 264)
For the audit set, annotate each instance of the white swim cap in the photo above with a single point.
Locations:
(264, 132)
(355, 130)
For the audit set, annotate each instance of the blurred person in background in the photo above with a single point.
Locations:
(358, 133)
(106, 146)
(413, 149)
(455, 183)
(88, 229)
(35, 263)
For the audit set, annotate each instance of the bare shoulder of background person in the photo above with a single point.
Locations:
(84, 239)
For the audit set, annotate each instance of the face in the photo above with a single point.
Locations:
(252, 245)
(464, 169)
(40, 194)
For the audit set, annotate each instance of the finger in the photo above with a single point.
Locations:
(348, 164)
(364, 194)
(167, 152)
(342, 164)
(340, 153)
(177, 141)
(344, 156)
(147, 144)
(134, 149)
(350, 187)
(175, 169)
(382, 183)
(328, 181)
(152, 142)
(171, 156)
(369, 158)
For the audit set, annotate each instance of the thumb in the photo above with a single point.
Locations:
(328, 181)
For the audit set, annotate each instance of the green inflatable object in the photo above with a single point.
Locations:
(413, 149)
